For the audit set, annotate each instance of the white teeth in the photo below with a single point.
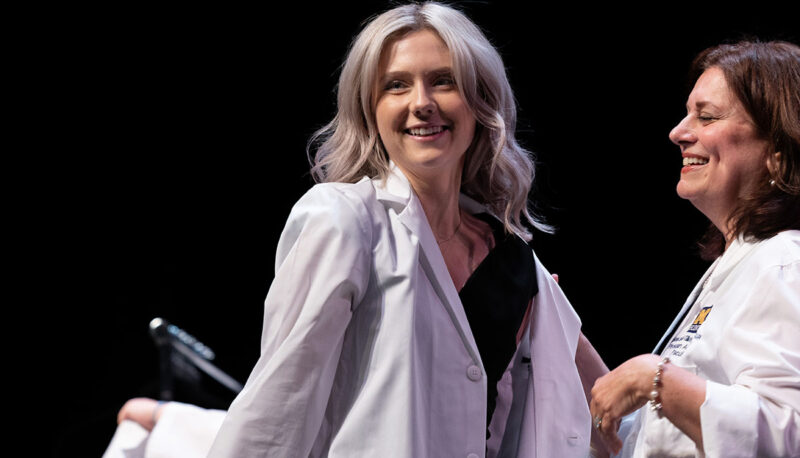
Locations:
(422, 131)
(694, 161)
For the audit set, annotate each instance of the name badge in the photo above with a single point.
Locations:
(701, 317)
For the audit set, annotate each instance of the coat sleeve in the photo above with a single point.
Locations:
(322, 271)
(759, 413)
(183, 430)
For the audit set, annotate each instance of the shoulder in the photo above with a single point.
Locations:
(360, 194)
(781, 250)
(772, 271)
(764, 292)
(346, 208)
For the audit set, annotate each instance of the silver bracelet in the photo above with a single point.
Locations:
(655, 395)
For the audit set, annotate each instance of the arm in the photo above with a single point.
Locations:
(590, 365)
(321, 274)
(628, 388)
(590, 368)
(759, 411)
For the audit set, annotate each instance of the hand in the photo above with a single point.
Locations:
(144, 411)
(619, 393)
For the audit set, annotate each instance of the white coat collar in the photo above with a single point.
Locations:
(711, 279)
(397, 194)
(736, 251)
(396, 191)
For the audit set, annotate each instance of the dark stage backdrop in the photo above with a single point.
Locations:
(183, 133)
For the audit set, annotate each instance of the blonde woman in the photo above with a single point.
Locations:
(408, 317)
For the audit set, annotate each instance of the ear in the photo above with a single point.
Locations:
(774, 164)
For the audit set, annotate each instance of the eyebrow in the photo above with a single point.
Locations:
(404, 74)
(703, 104)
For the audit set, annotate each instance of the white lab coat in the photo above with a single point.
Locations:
(747, 348)
(366, 349)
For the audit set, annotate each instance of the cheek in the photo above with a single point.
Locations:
(741, 162)
(467, 122)
(384, 119)
(743, 154)
(733, 147)
(469, 131)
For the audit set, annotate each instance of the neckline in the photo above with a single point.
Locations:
(458, 226)
(499, 237)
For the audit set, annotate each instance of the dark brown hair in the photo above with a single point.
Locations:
(765, 78)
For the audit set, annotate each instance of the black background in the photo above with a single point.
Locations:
(177, 149)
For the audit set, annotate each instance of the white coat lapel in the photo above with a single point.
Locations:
(684, 310)
(714, 276)
(397, 192)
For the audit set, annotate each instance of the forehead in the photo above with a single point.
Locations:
(712, 88)
(414, 50)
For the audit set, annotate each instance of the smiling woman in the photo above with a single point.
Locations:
(723, 150)
(407, 307)
(408, 316)
(726, 382)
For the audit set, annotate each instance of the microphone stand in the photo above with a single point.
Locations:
(158, 330)
(173, 341)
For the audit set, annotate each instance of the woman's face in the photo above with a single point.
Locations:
(723, 155)
(424, 123)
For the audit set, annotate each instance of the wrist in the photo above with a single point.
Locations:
(657, 386)
(644, 387)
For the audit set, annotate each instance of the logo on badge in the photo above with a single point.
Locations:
(701, 317)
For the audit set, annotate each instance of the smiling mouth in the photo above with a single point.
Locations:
(694, 161)
(425, 131)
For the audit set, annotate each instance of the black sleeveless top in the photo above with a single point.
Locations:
(495, 299)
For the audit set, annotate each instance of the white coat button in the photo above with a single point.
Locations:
(473, 455)
(474, 373)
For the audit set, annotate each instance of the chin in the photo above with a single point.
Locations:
(680, 189)
(435, 159)
(686, 190)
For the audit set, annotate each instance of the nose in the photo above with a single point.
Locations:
(682, 134)
(422, 104)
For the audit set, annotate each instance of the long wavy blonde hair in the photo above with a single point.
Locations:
(498, 172)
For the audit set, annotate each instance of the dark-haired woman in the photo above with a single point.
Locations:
(725, 379)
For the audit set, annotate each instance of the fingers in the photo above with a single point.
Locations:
(141, 410)
(605, 419)
(125, 412)
(619, 393)
(607, 427)
(610, 436)
(122, 413)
